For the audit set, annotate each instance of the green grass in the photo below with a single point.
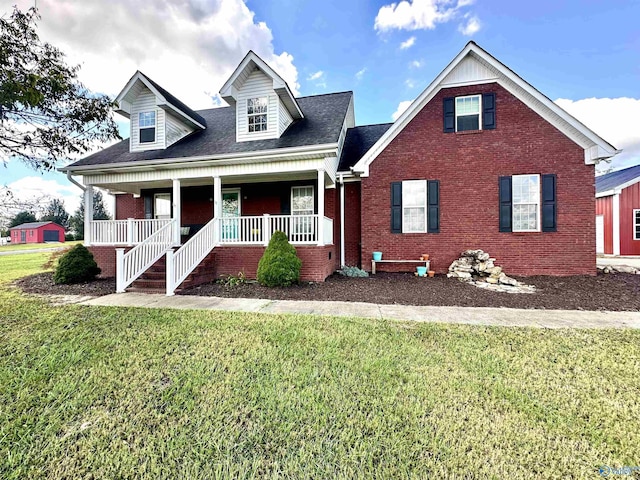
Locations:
(36, 246)
(147, 393)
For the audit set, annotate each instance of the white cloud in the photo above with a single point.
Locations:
(316, 76)
(360, 73)
(190, 47)
(408, 43)
(29, 188)
(614, 119)
(409, 83)
(402, 106)
(471, 27)
(416, 64)
(417, 14)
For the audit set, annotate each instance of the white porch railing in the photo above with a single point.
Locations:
(184, 261)
(136, 261)
(257, 230)
(123, 232)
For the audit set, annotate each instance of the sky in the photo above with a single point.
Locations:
(583, 54)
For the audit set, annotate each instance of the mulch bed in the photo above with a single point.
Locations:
(616, 292)
(42, 284)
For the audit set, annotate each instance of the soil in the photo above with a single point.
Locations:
(42, 284)
(615, 292)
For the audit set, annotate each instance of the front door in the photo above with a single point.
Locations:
(23, 236)
(230, 215)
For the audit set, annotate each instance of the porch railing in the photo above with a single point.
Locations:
(257, 230)
(136, 261)
(123, 232)
(185, 260)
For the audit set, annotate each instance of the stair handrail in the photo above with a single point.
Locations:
(185, 260)
(130, 265)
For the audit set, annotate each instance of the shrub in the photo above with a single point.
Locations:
(76, 266)
(279, 266)
(348, 271)
(68, 237)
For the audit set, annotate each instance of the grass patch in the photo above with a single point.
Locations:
(149, 393)
(36, 246)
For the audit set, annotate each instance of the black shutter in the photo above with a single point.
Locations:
(433, 206)
(449, 112)
(549, 207)
(148, 207)
(488, 111)
(505, 204)
(396, 207)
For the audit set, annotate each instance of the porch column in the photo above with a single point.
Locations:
(176, 204)
(320, 208)
(88, 214)
(217, 207)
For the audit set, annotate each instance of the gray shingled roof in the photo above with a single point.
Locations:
(31, 225)
(358, 141)
(613, 180)
(176, 103)
(324, 117)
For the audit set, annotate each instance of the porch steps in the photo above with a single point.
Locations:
(154, 280)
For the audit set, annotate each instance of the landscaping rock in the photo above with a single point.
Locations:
(478, 268)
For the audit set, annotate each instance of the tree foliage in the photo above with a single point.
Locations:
(76, 222)
(46, 113)
(279, 265)
(22, 217)
(55, 212)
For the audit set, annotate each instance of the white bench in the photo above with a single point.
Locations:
(427, 263)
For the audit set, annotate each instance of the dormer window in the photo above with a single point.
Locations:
(468, 113)
(257, 114)
(147, 127)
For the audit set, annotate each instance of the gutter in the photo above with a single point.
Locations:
(74, 181)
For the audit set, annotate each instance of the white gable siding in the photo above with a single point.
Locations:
(146, 102)
(257, 85)
(284, 118)
(470, 70)
(175, 129)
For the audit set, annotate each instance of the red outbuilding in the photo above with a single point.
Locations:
(618, 212)
(37, 232)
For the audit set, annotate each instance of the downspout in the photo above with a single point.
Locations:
(75, 182)
(342, 221)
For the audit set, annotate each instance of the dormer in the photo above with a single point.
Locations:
(264, 104)
(157, 119)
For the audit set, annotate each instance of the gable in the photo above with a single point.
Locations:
(474, 66)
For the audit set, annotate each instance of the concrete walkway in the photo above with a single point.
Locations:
(629, 261)
(505, 317)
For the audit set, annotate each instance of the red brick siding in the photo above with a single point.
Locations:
(629, 200)
(105, 257)
(352, 224)
(129, 207)
(604, 207)
(468, 167)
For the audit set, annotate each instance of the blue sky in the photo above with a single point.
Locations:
(585, 53)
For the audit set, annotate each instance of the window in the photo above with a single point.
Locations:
(526, 203)
(468, 113)
(147, 127)
(302, 204)
(162, 205)
(257, 114)
(414, 206)
(636, 224)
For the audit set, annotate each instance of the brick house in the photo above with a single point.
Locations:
(480, 159)
(37, 232)
(618, 212)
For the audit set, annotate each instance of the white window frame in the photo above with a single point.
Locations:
(539, 205)
(145, 127)
(426, 195)
(636, 223)
(302, 226)
(155, 205)
(313, 197)
(479, 111)
(254, 113)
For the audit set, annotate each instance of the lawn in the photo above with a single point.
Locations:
(143, 393)
(36, 246)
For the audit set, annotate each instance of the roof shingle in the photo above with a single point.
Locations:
(358, 141)
(613, 180)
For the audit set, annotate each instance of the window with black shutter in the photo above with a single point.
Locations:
(469, 112)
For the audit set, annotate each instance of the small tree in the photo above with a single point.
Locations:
(55, 212)
(22, 217)
(76, 222)
(279, 266)
(77, 265)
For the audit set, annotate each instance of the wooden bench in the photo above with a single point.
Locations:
(427, 263)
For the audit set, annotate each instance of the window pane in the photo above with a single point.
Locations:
(637, 225)
(257, 105)
(525, 217)
(147, 119)
(414, 193)
(526, 188)
(469, 122)
(414, 219)
(302, 202)
(163, 206)
(147, 135)
(467, 105)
